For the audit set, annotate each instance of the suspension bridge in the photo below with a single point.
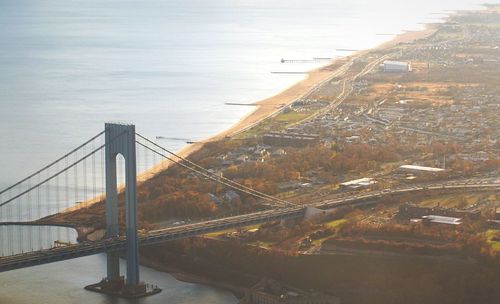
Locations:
(101, 170)
(104, 168)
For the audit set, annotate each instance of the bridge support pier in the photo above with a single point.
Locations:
(120, 139)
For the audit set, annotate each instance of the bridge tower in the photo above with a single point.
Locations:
(120, 140)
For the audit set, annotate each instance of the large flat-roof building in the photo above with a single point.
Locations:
(290, 139)
(420, 169)
(271, 292)
(395, 66)
(415, 211)
(445, 220)
(358, 183)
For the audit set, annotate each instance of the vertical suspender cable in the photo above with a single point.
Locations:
(66, 192)
(11, 231)
(30, 218)
(20, 229)
(84, 167)
(38, 213)
(94, 177)
(51, 164)
(146, 161)
(58, 201)
(48, 230)
(103, 175)
(2, 228)
(75, 181)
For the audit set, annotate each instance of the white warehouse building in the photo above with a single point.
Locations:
(395, 66)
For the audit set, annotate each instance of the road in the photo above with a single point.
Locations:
(346, 87)
(190, 230)
(338, 72)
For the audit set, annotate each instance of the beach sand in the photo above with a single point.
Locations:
(271, 106)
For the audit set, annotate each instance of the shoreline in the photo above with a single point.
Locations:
(273, 105)
(192, 278)
(265, 109)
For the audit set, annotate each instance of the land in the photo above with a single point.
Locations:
(346, 121)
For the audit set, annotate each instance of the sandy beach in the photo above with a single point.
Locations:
(271, 106)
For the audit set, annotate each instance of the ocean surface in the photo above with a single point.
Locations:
(66, 67)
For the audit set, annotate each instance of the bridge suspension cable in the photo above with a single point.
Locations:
(211, 177)
(52, 163)
(208, 174)
(72, 165)
(73, 181)
(51, 177)
(77, 180)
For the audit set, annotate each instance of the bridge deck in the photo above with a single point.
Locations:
(190, 230)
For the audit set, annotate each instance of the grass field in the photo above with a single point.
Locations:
(450, 201)
(490, 234)
(336, 223)
(219, 233)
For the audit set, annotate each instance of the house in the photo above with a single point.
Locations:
(288, 186)
(290, 139)
(494, 224)
(231, 197)
(216, 172)
(241, 159)
(215, 199)
(279, 152)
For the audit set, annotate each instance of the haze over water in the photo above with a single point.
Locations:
(66, 67)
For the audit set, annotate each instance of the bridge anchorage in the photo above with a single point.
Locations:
(120, 140)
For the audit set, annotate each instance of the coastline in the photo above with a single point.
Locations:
(197, 271)
(273, 105)
(192, 278)
(267, 108)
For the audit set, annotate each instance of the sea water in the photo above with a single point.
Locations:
(168, 66)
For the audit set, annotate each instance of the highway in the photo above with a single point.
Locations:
(338, 72)
(200, 228)
(346, 87)
(449, 186)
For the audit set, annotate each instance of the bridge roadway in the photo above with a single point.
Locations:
(189, 230)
